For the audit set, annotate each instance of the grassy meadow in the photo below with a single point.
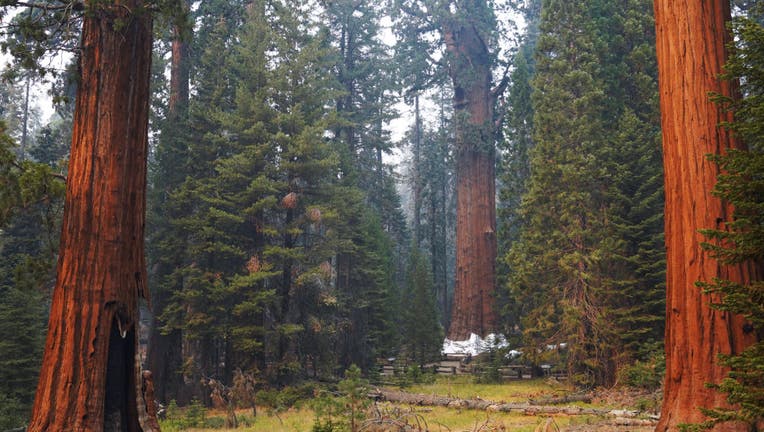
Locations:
(302, 417)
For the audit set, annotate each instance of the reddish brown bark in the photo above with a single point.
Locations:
(470, 69)
(691, 37)
(179, 71)
(148, 395)
(90, 378)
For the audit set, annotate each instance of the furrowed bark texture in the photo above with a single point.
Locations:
(470, 69)
(90, 378)
(179, 72)
(691, 37)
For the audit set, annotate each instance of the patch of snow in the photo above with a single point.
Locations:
(561, 345)
(474, 345)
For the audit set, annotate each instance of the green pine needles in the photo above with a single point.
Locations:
(424, 335)
(585, 251)
(31, 201)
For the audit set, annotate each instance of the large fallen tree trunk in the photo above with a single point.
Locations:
(586, 398)
(481, 404)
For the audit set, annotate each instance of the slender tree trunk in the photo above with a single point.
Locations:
(25, 122)
(470, 69)
(345, 104)
(443, 254)
(441, 276)
(433, 218)
(379, 139)
(417, 173)
(691, 37)
(90, 378)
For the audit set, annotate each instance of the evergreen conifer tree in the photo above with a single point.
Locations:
(30, 210)
(366, 281)
(562, 207)
(179, 245)
(439, 214)
(423, 333)
(266, 208)
(430, 173)
(168, 168)
(635, 263)
(514, 165)
(591, 216)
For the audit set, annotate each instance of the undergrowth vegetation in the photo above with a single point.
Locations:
(345, 406)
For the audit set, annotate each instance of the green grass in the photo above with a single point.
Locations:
(442, 419)
(292, 420)
(437, 419)
(463, 387)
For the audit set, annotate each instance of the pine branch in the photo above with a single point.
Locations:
(502, 86)
(75, 5)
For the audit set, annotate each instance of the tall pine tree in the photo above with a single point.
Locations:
(591, 215)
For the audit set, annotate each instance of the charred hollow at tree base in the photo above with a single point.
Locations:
(119, 385)
(125, 382)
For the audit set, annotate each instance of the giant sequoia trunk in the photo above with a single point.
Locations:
(90, 378)
(179, 71)
(470, 69)
(691, 37)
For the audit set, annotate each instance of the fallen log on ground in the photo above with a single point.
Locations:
(520, 407)
(587, 398)
(621, 421)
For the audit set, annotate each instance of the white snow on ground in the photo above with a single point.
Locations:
(475, 344)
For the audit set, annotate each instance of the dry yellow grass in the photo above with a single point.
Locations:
(435, 419)
(463, 387)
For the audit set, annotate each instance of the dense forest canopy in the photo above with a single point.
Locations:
(228, 185)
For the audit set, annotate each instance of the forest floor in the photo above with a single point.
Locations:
(610, 410)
